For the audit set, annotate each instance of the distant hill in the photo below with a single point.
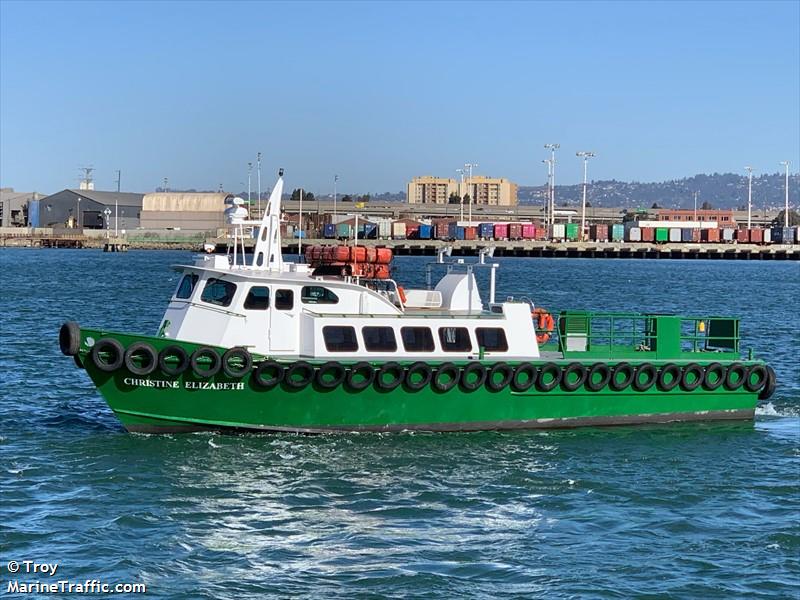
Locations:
(720, 190)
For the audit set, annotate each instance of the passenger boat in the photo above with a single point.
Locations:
(335, 344)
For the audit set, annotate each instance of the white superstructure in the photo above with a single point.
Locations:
(285, 309)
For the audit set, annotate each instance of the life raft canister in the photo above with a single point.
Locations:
(545, 324)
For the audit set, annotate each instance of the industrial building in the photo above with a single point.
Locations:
(721, 216)
(14, 207)
(86, 208)
(486, 191)
(184, 211)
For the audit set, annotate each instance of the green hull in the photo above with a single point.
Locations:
(159, 403)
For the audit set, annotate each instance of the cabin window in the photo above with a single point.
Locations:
(379, 339)
(186, 286)
(455, 339)
(257, 298)
(417, 339)
(314, 294)
(284, 299)
(340, 339)
(219, 292)
(492, 339)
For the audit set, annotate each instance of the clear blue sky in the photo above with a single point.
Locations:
(379, 92)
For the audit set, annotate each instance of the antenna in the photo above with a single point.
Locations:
(119, 179)
(166, 184)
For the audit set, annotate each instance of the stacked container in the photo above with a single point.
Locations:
(528, 231)
(599, 233)
(675, 235)
(486, 231)
(514, 231)
(558, 231)
(687, 235)
(617, 232)
(767, 236)
(501, 231)
(384, 229)
(727, 234)
(572, 231)
(471, 232)
(633, 234)
(742, 236)
(709, 235)
(756, 235)
(782, 235)
(442, 230)
(662, 234)
(398, 230)
(648, 234)
(425, 232)
(329, 231)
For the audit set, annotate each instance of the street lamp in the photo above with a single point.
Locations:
(549, 164)
(249, 173)
(107, 213)
(785, 163)
(461, 193)
(552, 148)
(469, 183)
(586, 156)
(335, 179)
(749, 195)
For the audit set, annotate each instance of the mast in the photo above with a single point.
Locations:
(267, 255)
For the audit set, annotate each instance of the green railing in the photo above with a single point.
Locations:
(630, 335)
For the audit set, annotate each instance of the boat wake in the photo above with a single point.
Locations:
(768, 410)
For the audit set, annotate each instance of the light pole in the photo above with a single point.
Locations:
(107, 213)
(300, 226)
(258, 162)
(335, 179)
(470, 166)
(249, 172)
(552, 148)
(695, 206)
(586, 156)
(549, 164)
(461, 193)
(78, 213)
(785, 163)
(749, 195)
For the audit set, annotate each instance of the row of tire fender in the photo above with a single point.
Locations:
(140, 358)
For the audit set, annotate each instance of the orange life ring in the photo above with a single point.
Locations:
(545, 324)
(402, 293)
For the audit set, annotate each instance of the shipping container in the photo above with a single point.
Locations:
(398, 230)
(662, 234)
(298, 234)
(767, 234)
(756, 235)
(344, 231)
(709, 236)
(471, 232)
(572, 231)
(696, 235)
(370, 231)
(514, 231)
(727, 234)
(558, 231)
(648, 234)
(425, 232)
(528, 231)
(459, 232)
(633, 234)
(742, 236)
(384, 229)
(598, 233)
(486, 231)
(501, 231)
(687, 235)
(782, 235)
(329, 231)
(617, 232)
(412, 231)
(675, 235)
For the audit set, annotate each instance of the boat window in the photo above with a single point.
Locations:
(284, 299)
(257, 298)
(417, 339)
(455, 339)
(340, 339)
(492, 339)
(219, 292)
(186, 286)
(315, 294)
(379, 339)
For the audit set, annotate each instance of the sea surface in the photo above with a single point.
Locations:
(677, 511)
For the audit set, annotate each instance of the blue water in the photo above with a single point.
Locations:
(681, 511)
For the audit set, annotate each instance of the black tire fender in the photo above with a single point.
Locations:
(268, 374)
(451, 371)
(365, 370)
(205, 352)
(668, 369)
(505, 370)
(418, 367)
(231, 370)
(554, 370)
(719, 371)
(148, 354)
(698, 372)
(652, 375)
(330, 368)
(740, 371)
(769, 388)
(471, 386)
(300, 367)
(628, 370)
(761, 382)
(571, 386)
(105, 345)
(605, 377)
(524, 369)
(164, 363)
(69, 338)
(390, 368)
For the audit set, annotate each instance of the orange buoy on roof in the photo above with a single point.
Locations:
(545, 324)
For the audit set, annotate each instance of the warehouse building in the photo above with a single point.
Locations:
(86, 208)
(185, 211)
(14, 207)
